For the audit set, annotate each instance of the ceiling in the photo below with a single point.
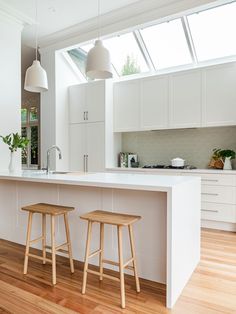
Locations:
(55, 15)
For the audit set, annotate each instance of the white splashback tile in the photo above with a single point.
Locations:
(193, 145)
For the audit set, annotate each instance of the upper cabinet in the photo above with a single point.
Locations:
(219, 90)
(186, 99)
(87, 102)
(154, 103)
(127, 106)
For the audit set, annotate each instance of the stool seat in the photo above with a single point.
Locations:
(48, 209)
(116, 219)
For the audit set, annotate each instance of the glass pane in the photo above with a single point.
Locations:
(213, 32)
(23, 115)
(79, 56)
(33, 114)
(34, 145)
(166, 44)
(126, 56)
(24, 151)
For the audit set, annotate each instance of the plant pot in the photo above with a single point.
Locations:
(12, 163)
(227, 163)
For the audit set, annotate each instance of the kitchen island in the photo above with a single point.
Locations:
(167, 237)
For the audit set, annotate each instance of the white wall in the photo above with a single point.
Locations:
(54, 108)
(10, 82)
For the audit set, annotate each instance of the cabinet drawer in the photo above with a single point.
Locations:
(218, 194)
(218, 179)
(218, 212)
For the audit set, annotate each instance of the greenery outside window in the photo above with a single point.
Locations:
(30, 130)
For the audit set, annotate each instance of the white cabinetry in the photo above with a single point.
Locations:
(186, 99)
(87, 147)
(154, 103)
(127, 106)
(87, 102)
(220, 95)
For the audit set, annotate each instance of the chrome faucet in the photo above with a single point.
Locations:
(48, 156)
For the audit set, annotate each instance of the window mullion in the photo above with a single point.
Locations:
(143, 49)
(189, 39)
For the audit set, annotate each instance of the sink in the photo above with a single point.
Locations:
(59, 172)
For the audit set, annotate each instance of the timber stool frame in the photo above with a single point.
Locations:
(52, 210)
(119, 220)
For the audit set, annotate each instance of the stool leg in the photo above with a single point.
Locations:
(28, 242)
(121, 267)
(131, 237)
(102, 250)
(53, 250)
(87, 256)
(44, 237)
(69, 242)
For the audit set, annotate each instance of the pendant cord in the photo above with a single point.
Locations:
(99, 19)
(36, 30)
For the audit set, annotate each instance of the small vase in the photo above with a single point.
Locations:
(12, 163)
(227, 163)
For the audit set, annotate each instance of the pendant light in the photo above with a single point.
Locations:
(98, 59)
(36, 77)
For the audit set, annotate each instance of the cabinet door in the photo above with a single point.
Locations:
(154, 103)
(127, 106)
(186, 100)
(220, 95)
(96, 146)
(77, 147)
(95, 101)
(77, 103)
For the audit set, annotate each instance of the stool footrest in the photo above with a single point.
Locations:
(95, 253)
(36, 240)
(63, 251)
(61, 246)
(107, 261)
(125, 265)
(39, 257)
(103, 275)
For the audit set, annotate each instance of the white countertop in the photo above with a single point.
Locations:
(131, 181)
(143, 170)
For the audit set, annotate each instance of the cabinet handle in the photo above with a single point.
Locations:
(87, 115)
(210, 180)
(209, 210)
(84, 164)
(84, 116)
(213, 194)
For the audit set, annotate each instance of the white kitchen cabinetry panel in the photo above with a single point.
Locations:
(87, 147)
(218, 212)
(77, 103)
(127, 106)
(78, 147)
(87, 102)
(95, 100)
(154, 103)
(219, 194)
(220, 95)
(218, 179)
(96, 146)
(186, 99)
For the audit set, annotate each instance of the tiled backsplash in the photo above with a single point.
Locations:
(193, 145)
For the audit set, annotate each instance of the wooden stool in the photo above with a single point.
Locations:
(119, 220)
(52, 210)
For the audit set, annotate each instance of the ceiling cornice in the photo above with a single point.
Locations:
(124, 18)
(14, 15)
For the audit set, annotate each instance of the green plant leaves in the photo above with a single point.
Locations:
(15, 141)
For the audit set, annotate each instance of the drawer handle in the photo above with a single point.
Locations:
(210, 180)
(213, 194)
(209, 210)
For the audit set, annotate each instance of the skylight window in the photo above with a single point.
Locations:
(167, 44)
(213, 32)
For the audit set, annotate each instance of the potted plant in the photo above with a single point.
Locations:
(226, 156)
(14, 141)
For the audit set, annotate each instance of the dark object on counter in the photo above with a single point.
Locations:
(187, 167)
(134, 164)
(154, 166)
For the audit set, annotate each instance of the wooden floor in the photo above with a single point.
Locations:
(212, 288)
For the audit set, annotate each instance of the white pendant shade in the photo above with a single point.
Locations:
(36, 78)
(98, 62)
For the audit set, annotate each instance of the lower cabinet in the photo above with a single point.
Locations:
(87, 147)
